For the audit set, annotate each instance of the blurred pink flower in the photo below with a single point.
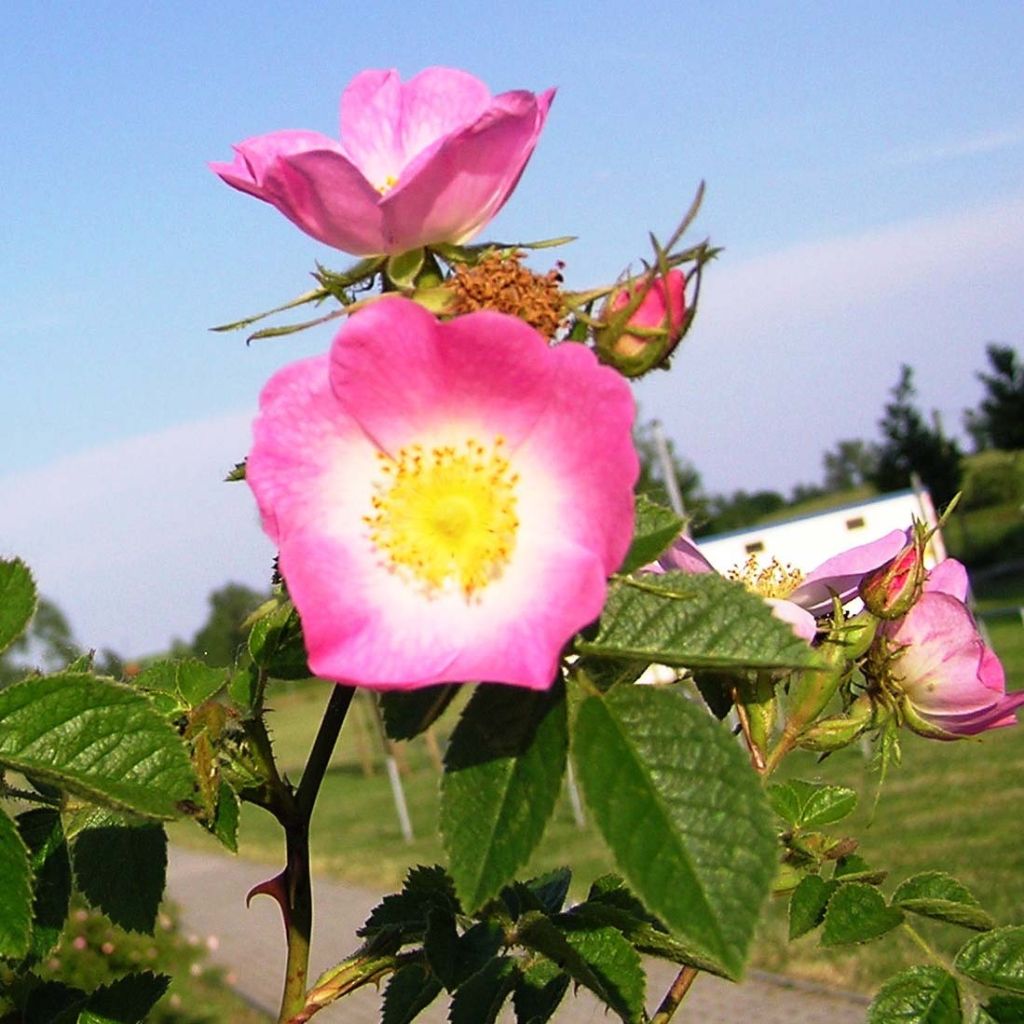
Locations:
(420, 162)
(795, 598)
(448, 498)
(951, 679)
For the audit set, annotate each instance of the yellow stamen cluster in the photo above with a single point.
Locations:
(772, 580)
(500, 281)
(446, 515)
(389, 183)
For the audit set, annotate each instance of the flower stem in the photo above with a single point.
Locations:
(675, 995)
(298, 914)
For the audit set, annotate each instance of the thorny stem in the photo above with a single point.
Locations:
(675, 995)
(298, 913)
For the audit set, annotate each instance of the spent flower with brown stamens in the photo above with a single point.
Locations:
(501, 282)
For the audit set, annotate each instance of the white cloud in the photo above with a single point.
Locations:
(797, 348)
(986, 142)
(130, 538)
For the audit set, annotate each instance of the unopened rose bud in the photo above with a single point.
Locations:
(892, 589)
(835, 733)
(643, 322)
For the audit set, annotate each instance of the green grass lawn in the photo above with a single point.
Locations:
(954, 806)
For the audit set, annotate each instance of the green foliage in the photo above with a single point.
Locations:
(694, 621)
(503, 773)
(909, 445)
(276, 644)
(938, 895)
(857, 912)
(125, 1001)
(921, 995)
(43, 833)
(999, 421)
(96, 738)
(683, 814)
(1003, 1010)
(222, 637)
(808, 903)
(407, 713)
(17, 600)
(15, 893)
(654, 530)
(995, 958)
(811, 805)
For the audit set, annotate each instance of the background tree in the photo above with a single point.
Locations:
(850, 464)
(48, 645)
(652, 474)
(739, 509)
(909, 445)
(220, 639)
(999, 421)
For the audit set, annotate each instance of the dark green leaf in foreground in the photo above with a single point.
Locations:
(276, 643)
(15, 892)
(187, 680)
(539, 991)
(938, 895)
(480, 999)
(612, 958)
(224, 824)
(921, 995)
(125, 1001)
(995, 958)
(655, 528)
(411, 988)
(809, 804)
(857, 913)
(1003, 1010)
(96, 738)
(17, 600)
(406, 912)
(503, 775)
(43, 833)
(121, 869)
(807, 904)
(694, 621)
(53, 1003)
(407, 713)
(683, 813)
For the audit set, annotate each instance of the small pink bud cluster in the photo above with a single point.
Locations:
(643, 322)
(893, 588)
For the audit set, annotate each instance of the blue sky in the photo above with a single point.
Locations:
(863, 164)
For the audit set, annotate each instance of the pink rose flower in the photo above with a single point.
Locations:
(951, 679)
(420, 162)
(448, 498)
(795, 598)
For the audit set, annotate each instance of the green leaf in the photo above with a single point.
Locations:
(43, 833)
(655, 527)
(425, 889)
(224, 824)
(277, 645)
(412, 988)
(53, 1003)
(854, 868)
(187, 680)
(995, 958)
(612, 958)
(539, 990)
(441, 947)
(920, 995)
(503, 775)
(1003, 1010)
(17, 600)
(403, 267)
(479, 999)
(809, 804)
(694, 621)
(407, 713)
(121, 869)
(938, 895)
(125, 1001)
(807, 904)
(683, 813)
(857, 913)
(97, 739)
(15, 892)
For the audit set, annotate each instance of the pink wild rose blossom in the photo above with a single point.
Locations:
(448, 498)
(951, 679)
(795, 598)
(421, 162)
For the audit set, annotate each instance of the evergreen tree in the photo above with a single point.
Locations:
(909, 445)
(222, 637)
(999, 422)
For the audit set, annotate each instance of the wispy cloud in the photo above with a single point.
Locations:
(973, 145)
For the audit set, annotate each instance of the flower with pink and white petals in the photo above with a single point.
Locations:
(448, 498)
(795, 598)
(954, 684)
(421, 162)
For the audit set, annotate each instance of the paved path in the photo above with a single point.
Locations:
(210, 890)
